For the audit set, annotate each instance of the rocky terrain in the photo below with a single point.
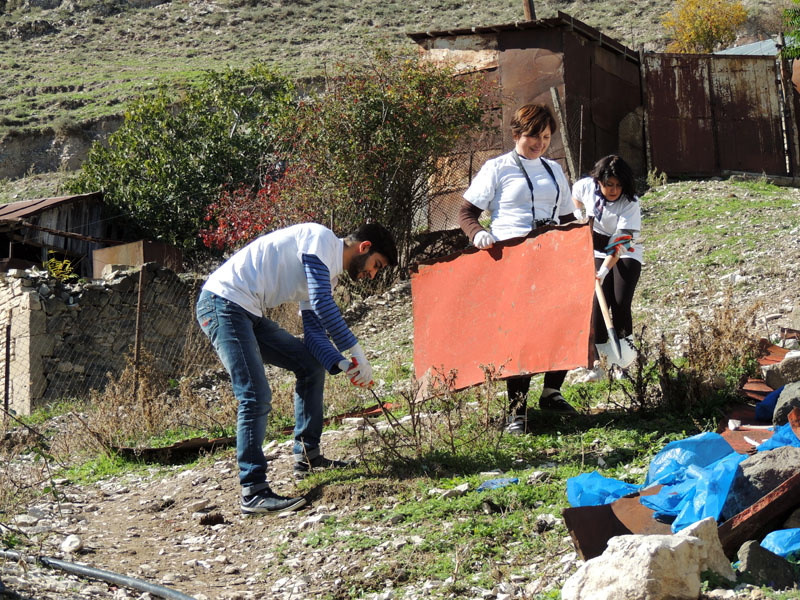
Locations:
(180, 527)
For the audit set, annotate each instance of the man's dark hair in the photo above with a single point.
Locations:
(382, 241)
(614, 166)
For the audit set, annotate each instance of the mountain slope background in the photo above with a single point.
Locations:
(64, 63)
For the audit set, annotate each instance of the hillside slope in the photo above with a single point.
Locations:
(63, 62)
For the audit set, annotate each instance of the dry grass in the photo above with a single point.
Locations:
(144, 403)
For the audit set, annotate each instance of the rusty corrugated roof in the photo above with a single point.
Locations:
(25, 208)
(562, 20)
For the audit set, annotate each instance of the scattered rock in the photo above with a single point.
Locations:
(640, 567)
(788, 399)
(758, 475)
(764, 567)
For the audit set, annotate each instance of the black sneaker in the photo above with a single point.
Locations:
(267, 501)
(555, 401)
(304, 467)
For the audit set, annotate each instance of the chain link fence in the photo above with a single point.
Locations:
(61, 341)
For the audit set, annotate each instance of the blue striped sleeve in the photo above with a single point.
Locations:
(320, 297)
(317, 342)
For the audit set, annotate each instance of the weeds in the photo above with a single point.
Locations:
(124, 414)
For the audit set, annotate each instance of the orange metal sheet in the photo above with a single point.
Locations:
(522, 307)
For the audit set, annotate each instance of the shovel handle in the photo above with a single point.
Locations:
(601, 300)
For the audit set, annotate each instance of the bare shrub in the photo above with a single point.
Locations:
(145, 402)
(719, 356)
(437, 420)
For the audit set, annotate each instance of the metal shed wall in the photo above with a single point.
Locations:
(708, 113)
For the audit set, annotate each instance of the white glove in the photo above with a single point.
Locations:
(344, 365)
(360, 372)
(578, 214)
(483, 240)
(601, 273)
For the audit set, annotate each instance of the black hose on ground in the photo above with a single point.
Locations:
(101, 574)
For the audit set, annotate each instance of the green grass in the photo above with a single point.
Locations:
(98, 59)
(708, 210)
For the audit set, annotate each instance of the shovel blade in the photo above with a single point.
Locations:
(622, 355)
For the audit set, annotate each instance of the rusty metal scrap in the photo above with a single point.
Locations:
(523, 307)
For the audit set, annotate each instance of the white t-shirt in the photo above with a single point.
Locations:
(622, 214)
(269, 271)
(500, 188)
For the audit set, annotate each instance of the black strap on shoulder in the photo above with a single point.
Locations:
(549, 170)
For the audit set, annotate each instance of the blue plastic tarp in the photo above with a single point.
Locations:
(695, 473)
(700, 450)
(592, 489)
(783, 542)
(766, 407)
(783, 436)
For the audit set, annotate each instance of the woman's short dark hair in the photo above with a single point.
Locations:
(614, 166)
(382, 241)
(532, 119)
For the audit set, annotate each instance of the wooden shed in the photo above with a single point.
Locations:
(69, 227)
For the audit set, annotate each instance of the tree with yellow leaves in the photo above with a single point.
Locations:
(703, 25)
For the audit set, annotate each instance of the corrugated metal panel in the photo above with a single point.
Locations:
(26, 208)
(709, 113)
(510, 307)
(748, 114)
(679, 113)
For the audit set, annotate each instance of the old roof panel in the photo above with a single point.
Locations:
(26, 208)
(563, 20)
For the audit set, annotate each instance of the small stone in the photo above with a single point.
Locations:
(72, 543)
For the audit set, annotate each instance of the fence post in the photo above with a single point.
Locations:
(7, 373)
(136, 342)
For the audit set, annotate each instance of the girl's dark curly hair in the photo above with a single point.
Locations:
(614, 166)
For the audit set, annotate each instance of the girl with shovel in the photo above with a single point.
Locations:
(608, 195)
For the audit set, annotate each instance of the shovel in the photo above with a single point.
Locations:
(614, 352)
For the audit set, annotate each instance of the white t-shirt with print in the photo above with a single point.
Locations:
(269, 271)
(622, 214)
(500, 188)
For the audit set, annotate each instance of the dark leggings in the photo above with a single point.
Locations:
(518, 389)
(618, 289)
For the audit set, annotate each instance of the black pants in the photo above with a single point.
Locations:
(618, 288)
(518, 389)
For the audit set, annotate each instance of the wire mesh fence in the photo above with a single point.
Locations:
(61, 341)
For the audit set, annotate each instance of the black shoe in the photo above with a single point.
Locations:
(267, 501)
(304, 467)
(555, 401)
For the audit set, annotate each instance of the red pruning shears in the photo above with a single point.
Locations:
(623, 241)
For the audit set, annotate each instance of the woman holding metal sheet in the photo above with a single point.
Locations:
(608, 195)
(523, 191)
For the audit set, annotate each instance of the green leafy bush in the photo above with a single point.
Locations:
(172, 156)
(378, 138)
(791, 23)
(374, 145)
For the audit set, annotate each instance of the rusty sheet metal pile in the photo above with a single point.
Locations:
(592, 526)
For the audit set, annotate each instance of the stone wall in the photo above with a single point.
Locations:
(67, 338)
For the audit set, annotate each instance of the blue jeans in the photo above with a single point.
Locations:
(244, 343)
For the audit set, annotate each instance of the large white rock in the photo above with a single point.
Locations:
(712, 556)
(640, 567)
